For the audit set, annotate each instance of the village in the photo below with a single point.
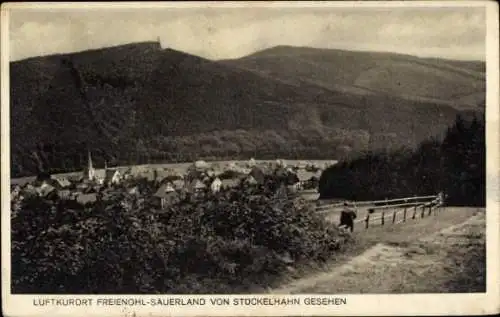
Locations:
(163, 186)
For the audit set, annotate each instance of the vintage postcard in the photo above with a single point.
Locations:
(250, 158)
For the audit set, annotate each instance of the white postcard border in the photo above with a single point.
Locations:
(356, 304)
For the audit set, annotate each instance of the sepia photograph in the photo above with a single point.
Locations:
(252, 148)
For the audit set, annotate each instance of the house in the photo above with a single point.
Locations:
(134, 190)
(286, 176)
(309, 195)
(149, 175)
(210, 173)
(307, 179)
(280, 163)
(196, 186)
(258, 174)
(166, 195)
(294, 188)
(45, 189)
(251, 163)
(91, 189)
(245, 170)
(230, 183)
(15, 191)
(142, 172)
(250, 181)
(200, 165)
(85, 199)
(112, 176)
(82, 186)
(193, 175)
(64, 194)
(178, 184)
(231, 166)
(126, 172)
(28, 190)
(167, 175)
(301, 165)
(60, 182)
(78, 178)
(216, 185)
(99, 176)
(230, 174)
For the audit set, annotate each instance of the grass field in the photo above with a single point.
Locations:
(442, 253)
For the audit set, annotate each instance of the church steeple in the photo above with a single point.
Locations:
(91, 170)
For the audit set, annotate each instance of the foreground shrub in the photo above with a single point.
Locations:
(221, 243)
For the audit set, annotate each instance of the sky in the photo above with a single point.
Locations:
(224, 33)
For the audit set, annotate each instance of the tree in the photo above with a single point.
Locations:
(455, 165)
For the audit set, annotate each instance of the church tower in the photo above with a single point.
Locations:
(91, 169)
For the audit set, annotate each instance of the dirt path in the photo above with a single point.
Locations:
(428, 255)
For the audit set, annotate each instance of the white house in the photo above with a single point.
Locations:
(200, 165)
(113, 176)
(281, 163)
(216, 185)
(251, 163)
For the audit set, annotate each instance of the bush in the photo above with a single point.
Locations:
(221, 243)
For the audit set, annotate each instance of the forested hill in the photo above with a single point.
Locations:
(139, 103)
(460, 84)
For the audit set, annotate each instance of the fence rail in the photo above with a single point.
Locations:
(378, 211)
(377, 202)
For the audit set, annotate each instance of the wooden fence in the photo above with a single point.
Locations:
(388, 211)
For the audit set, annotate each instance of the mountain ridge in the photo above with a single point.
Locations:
(140, 102)
(365, 70)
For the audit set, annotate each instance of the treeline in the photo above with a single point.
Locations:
(454, 164)
(61, 157)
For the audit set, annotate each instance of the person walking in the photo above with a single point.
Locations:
(347, 217)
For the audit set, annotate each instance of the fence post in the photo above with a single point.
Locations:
(404, 215)
(422, 214)
(414, 212)
(383, 215)
(367, 220)
(394, 217)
